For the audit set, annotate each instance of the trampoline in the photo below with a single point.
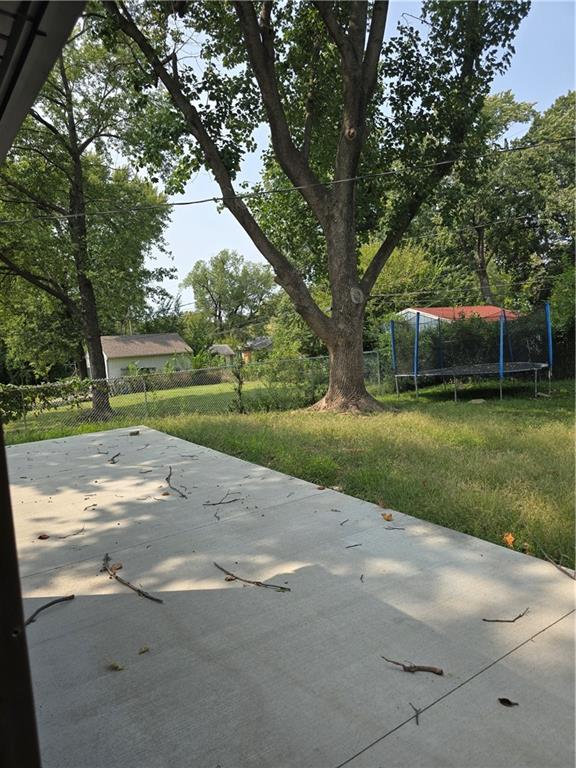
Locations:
(492, 347)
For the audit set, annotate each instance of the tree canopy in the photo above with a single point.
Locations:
(230, 290)
(75, 227)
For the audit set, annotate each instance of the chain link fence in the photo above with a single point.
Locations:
(69, 407)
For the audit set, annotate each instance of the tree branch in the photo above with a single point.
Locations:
(259, 42)
(44, 284)
(51, 128)
(338, 35)
(50, 160)
(287, 276)
(374, 47)
(45, 205)
(444, 165)
(357, 28)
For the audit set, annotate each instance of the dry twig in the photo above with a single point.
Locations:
(75, 533)
(114, 575)
(233, 577)
(350, 546)
(565, 571)
(415, 667)
(182, 495)
(344, 521)
(114, 459)
(416, 712)
(223, 500)
(32, 618)
(507, 621)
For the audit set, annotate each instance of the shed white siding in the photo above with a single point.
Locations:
(117, 367)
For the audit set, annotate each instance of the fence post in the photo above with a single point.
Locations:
(24, 411)
(415, 362)
(549, 344)
(145, 397)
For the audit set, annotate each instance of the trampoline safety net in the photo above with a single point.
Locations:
(497, 345)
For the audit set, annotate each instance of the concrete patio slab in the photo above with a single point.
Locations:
(240, 676)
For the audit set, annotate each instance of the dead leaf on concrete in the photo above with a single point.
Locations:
(115, 666)
(387, 516)
(43, 536)
(115, 567)
(508, 703)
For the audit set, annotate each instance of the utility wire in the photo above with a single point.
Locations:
(462, 292)
(283, 190)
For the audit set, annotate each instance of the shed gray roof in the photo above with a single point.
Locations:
(261, 342)
(144, 345)
(222, 349)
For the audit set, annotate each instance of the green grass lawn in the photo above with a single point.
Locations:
(485, 469)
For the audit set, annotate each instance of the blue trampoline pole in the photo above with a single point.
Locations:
(415, 361)
(501, 352)
(393, 353)
(549, 344)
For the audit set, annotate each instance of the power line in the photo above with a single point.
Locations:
(462, 292)
(283, 190)
(425, 234)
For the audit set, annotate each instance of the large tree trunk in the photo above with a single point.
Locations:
(79, 237)
(81, 366)
(346, 388)
(90, 323)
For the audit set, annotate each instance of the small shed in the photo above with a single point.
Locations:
(222, 350)
(149, 351)
(255, 345)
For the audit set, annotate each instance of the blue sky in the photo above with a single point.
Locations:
(542, 69)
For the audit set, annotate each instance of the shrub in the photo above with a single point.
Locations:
(17, 401)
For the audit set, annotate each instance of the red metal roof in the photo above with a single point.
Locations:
(486, 312)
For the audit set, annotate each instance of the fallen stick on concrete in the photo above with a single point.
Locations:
(75, 533)
(182, 495)
(43, 608)
(114, 459)
(507, 621)
(415, 667)
(416, 712)
(223, 500)
(233, 577)
(561, 568)
(113, 575)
